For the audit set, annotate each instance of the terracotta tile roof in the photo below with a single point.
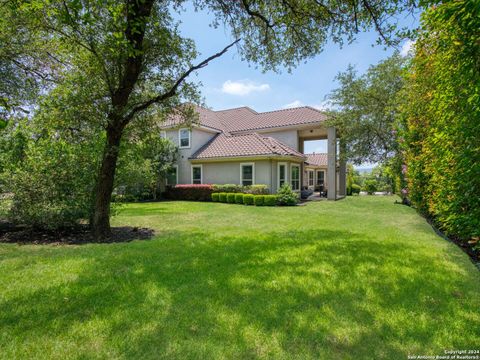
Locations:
(222, 146)
(320, 159)
(245, 119)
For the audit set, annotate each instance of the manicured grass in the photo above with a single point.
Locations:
(360, 278)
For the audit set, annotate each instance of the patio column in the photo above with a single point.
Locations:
(332, 163)
(342, 188)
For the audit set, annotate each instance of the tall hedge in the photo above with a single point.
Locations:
(441, 119)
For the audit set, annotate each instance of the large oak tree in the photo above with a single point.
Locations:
(126, 59)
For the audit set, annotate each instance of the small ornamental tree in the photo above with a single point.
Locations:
(286, 196)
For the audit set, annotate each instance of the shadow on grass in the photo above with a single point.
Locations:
(307, 294)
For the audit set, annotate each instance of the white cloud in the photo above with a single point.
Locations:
(243, 87)
(324, 105)
(407, 47)
(293, 104)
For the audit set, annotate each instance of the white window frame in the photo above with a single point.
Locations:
(163, 134)
(292, 166)
(324, 178)
(180, 138)
(201, 173)
(311, 172)
(176, 175)
(278, 173)
(253, 172)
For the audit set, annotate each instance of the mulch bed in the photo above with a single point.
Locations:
(10, 233)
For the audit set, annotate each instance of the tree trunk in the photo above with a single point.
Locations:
(103, 193)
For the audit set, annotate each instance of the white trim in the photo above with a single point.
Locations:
(176, 175)
(201, 173)
(312, 172)
(180, 138)
(285, 174)
(299, 176)
(163, 134)
(253, 172)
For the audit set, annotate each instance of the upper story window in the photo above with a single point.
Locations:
(184, 138)
(247, 174)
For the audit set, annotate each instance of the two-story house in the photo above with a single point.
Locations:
(242, 146)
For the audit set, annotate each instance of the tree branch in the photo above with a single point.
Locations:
(173, 90)
(375, 21)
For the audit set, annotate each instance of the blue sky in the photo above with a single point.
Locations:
(229, 82)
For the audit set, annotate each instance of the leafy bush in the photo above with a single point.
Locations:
(248, 199)
(441, 115)
(270, 200)
(215, 197)
(53, 185)
(370, 186)
(356, 189)
(286, 196)
(222, 197)
(227, 188)
(258, 200)
(239, 198)
(259, 189)
(231, 198)
(191, 192)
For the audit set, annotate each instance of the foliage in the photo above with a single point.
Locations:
(194, 192)
(353, 177)
(258, 200)
(222, 197)
(231, 198)
(366, 110)
(356, 189)
(440, 119)
(53, 185)
(215, 197)
(248, 199)
(246, 189)
(239, 198)
(286, 196)
(270, 200)
(143, 165)
(370, 186)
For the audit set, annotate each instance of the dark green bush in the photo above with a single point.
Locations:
(239, 198)
(248, 199)
(356, 189)
(222, 197)
(286, 196)
(370, 186)
(270, 200)
(231, 198)
(215, 197)
(258, 200)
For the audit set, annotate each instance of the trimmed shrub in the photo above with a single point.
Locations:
(370, 186)
(286, 196)
(270, 200)
(356, 189)
(215, 197)
(222, 197)
(239, 198)
(231, 198)
(193, 192)
(259, 189)
(228, 188)
(258, 200)
(248, 199)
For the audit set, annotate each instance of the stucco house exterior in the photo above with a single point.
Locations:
(242, 146)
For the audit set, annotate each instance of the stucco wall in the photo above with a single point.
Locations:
(288, 137)
(198, 139)
(229, 172)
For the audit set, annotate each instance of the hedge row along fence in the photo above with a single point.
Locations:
(246, 199)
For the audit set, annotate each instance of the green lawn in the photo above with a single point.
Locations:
(360, 278)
